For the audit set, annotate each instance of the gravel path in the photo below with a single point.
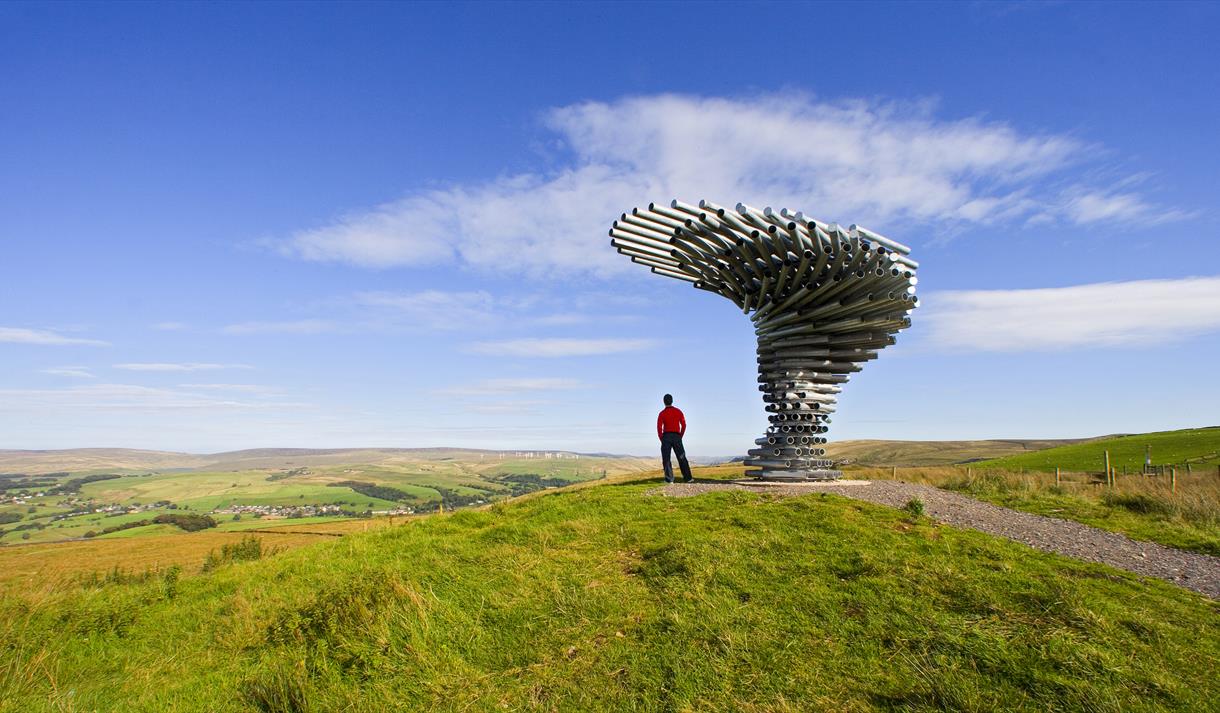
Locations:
(1191, 570)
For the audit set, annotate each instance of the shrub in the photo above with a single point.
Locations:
(1138, 503)
(914, 506)
(190, 523)
(124, 526)
(248, 549)
(372, 490)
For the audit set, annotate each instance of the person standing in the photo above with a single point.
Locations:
(671, 426)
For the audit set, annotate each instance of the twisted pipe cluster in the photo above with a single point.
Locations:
(823, 299)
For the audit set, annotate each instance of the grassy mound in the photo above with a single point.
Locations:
(605, 598)
(1198, 446)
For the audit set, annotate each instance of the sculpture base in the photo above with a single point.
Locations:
(795, 475)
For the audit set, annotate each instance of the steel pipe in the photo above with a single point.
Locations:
(824, 299)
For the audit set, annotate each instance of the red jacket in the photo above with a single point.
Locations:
(671, 420)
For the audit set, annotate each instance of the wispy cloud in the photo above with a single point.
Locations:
(187, 366)
(1107, 314)
(299, 326)
(170, 326)
(18, 335)
(562, 319)
(1084, 206)
(435, 309)
(866, 162)
(78, 372)
(111, 397)
(521, 406)
(537, 347)
(514, 386)
(240, 388)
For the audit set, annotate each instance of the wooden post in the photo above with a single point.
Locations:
(1188, 468)
(894, 474)
(1173, 480)
(1056, 476)
(969, 472)
(1108, 482)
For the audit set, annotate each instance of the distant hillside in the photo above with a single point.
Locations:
(1199, 447)
(79, 460)
(932, 453)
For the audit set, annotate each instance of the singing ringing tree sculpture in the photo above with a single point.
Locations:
(823, 299)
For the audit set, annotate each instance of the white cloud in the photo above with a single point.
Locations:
(300, 326)
(17, 335)
(1092, 207)
(243, 388)
(111, 397)
(188, 366)
(170, 326)
(515, 386)
(534, 347)
(861, 162)
(435, 309)
(562, 319)
(508, 407)
(78, 372)
(1107, 314)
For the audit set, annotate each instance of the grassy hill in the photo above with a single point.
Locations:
(934, 453)
(1198, 446)
(604, 597)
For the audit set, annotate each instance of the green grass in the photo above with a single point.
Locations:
(78, 525)
(602, 598)
(1198, 446)
(142, 531)
(248, 522)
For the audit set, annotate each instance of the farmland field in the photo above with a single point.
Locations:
(48, 501)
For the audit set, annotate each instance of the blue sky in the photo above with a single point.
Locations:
(230, 226)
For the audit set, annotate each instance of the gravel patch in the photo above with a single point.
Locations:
(1198, 572)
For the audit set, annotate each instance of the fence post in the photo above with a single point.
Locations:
(1188, 468)
(1056, 476)
(970, 472)
(1108, 480)
(895, 473)
(1173, 480)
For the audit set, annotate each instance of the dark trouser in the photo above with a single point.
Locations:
(673, 441)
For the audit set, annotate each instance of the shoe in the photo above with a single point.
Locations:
(667, 480)
(688, 480)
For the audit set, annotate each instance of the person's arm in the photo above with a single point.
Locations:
(660, 424)
(681, 423)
